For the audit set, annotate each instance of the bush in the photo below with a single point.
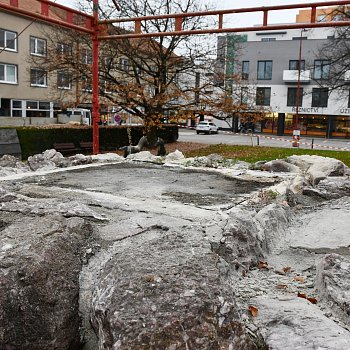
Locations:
(37, 139)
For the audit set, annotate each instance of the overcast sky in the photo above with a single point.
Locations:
(285, 16)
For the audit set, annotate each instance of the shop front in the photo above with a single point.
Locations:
(327, 126)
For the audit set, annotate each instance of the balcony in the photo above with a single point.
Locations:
(291, 76)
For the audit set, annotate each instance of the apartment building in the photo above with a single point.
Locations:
(24, 88)
(269, 62)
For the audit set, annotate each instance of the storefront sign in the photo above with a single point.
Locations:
(345, 111)
(306, 109)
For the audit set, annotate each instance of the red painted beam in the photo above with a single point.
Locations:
(231, 11)
(46, 18)
(270, 27)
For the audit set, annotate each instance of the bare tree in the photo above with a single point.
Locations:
(149, 78)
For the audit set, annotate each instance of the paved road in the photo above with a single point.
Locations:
(229, 138)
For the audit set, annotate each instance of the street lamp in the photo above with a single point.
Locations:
(296, 131)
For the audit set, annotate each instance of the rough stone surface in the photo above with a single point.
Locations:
(172, 258)
(175, 299)
(296, 324)
(318, 168)
(40, 262)
(279, 165)
(333, 284)
(325, 230)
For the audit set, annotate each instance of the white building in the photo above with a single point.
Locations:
(269, 61)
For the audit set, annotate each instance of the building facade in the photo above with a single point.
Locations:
(287, 71)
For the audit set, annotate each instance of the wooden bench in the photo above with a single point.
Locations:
(86, 146)
(65, 148)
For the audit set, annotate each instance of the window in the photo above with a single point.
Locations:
(86, 84)
(124, 64)
(17, 108)
(64, 49)
(264, 70)
(37, 46)
(86, 56)
(64, 80)
(8, 73)
(292, 97)
(8, 40)
(263, 96)
(294, 65)
(245, 70)
(319, 97)
(38, 77)
(321, 69)
(268, 39)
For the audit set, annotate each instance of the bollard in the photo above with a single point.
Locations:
(312, 144)
(257, 141)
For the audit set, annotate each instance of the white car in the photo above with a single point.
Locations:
(207, 128)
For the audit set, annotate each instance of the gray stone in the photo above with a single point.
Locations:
(291, 323)
(279, 165)
(39, 273)
(166, 294)
(333, 283)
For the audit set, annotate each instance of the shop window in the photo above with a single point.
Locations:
(321, 69)
(38, 77)
(263, 96)
(8, 40)
(8, 73)
(319, 97)
(264, 70)
(292, 97)
(64, 80)
(245, 70)
(294, 64)
(37, 46)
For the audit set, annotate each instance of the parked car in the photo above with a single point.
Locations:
(207, 128)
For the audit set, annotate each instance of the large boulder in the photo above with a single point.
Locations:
(166, 290)
(43, 245)
(39, 287)
(317, 168)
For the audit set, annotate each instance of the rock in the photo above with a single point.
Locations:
(175, 157)
(242, 241)
(144, 156)
(295, 324)
(44, 161)
(279, 166)
(320, 232)
(106, 158)
(318, 168)
(39, 274)
(166, 293)
(274, 219)
(333, 284)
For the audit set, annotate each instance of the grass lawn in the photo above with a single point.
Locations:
(253, 154)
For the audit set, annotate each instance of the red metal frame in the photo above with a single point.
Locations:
(92, 27)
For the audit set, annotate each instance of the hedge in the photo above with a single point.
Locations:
(37, 139)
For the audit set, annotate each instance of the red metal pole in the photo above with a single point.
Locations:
(95, 99)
